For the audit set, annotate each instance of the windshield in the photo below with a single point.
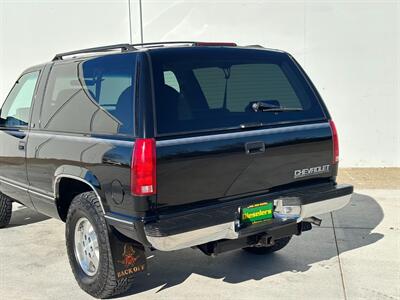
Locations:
(204, 88)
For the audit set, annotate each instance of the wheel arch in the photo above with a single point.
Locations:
(70, 181)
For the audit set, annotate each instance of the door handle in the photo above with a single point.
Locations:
(21, 145)
(254, 147)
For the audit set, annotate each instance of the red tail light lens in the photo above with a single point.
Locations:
(335, 142)
(143, 168)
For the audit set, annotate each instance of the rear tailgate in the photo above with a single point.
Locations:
(213, 146)
(218, 166)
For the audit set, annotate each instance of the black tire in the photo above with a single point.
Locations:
(104, 283)
(5, 210)
(279, 244)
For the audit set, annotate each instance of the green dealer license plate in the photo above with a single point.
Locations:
(257, 213)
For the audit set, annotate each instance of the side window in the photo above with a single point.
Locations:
(93, 96)
(170, 80)
(16, 109)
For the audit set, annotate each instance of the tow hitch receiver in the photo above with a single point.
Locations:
(129, 256)
(262, 239)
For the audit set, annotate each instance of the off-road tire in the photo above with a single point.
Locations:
(5, 210)
(104, 283)
(279, 244)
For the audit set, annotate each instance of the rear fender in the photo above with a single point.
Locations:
(83, 175)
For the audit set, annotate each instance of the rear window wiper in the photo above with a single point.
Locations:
(261, 106)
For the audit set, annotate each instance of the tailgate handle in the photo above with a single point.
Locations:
(255, 147)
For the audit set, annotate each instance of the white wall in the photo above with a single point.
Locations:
(350, 49)
(32, 32)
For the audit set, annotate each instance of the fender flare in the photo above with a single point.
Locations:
(81, 174)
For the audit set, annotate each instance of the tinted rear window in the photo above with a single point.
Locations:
(215, 88)
(91, 96)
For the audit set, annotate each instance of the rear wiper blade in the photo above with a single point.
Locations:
(281, 108)
(260, 106)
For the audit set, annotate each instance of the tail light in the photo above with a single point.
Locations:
(143, 168)
(335, 142)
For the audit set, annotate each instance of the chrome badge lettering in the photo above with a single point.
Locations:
(311, 171)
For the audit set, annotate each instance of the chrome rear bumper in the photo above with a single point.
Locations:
(322, 207)
(228, 230)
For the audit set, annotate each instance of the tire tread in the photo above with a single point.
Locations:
(5, 210)
(112, 286)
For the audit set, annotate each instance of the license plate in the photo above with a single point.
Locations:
(257, 213)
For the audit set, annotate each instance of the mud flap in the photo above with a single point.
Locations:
(129, 256)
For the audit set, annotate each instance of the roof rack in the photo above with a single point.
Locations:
(164, 43)
(193, 43)
(123, 47)
(231, 44)
(129, 47)
(254, 46)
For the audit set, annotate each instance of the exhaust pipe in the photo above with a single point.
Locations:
(313, 220)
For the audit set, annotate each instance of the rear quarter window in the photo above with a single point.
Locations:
(217, 88)
(91, 96)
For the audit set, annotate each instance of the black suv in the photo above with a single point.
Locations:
(165, 146)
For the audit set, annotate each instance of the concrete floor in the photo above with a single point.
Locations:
(371, 178)
(355, 254)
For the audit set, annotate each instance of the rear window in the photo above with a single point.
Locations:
(208, 89)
